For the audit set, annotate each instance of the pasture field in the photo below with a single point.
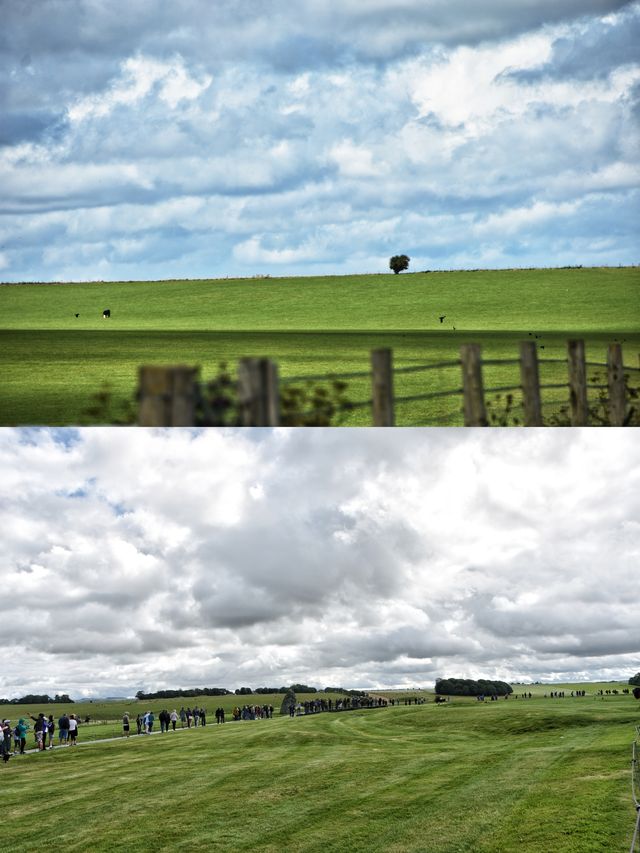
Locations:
(464, 777)
(52, 361)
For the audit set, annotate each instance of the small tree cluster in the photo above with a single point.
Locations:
(189, 692)
(470, 687)
(398, 263)
(38, 699)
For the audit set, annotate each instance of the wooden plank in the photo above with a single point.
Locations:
(530, 381)
(475, 413)
(382, 387)
(166, 396)
(577, 383)
(258, 394)
(615, 379)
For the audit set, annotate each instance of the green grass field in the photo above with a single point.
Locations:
(534, 775)
(52, 362)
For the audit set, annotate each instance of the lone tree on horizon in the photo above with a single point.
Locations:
(398, 263)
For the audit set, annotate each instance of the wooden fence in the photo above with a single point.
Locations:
(168, 396)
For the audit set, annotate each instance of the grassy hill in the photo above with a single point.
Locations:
(509, 775)
(52, 361)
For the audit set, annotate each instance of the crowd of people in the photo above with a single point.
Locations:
(13, 739)
(250, 712)
(349, 703)
(167, 720)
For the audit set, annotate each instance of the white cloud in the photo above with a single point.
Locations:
(355, 161)
(128, 146)
(252, 251)
(345, 556)
(137, 77)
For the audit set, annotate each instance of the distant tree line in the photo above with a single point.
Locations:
(297, 688)
(192, 691)
(469, 687)
(241, 691)
(38, 699)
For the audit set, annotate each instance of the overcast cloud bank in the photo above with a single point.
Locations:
(151, 140)
(141, 559)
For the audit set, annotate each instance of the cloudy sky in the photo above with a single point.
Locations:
(144, 139)
(139, 559)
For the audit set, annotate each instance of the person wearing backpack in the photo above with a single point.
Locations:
(21, 731)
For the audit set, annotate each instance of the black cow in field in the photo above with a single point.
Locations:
(106, 313)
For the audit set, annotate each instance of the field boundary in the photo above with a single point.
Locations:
(170, 396)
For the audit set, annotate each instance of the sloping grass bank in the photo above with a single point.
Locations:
(460, 777)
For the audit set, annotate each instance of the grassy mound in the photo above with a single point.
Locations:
(519, 774)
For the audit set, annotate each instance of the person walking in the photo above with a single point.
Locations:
(63, 729)
(126, 726)
(164, 720)
(51, 730)
(139, 723)
(21, 730)
(39, 730)
(173, 716)
(5, 740)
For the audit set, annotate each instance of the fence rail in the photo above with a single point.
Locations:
(168, 396)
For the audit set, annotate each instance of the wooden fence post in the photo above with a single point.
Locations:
(615, 378)
(530, 381)
(382, 387)
(475, 413)
(258, 395)
(166, 396)
(272, 392)
(577, 384)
